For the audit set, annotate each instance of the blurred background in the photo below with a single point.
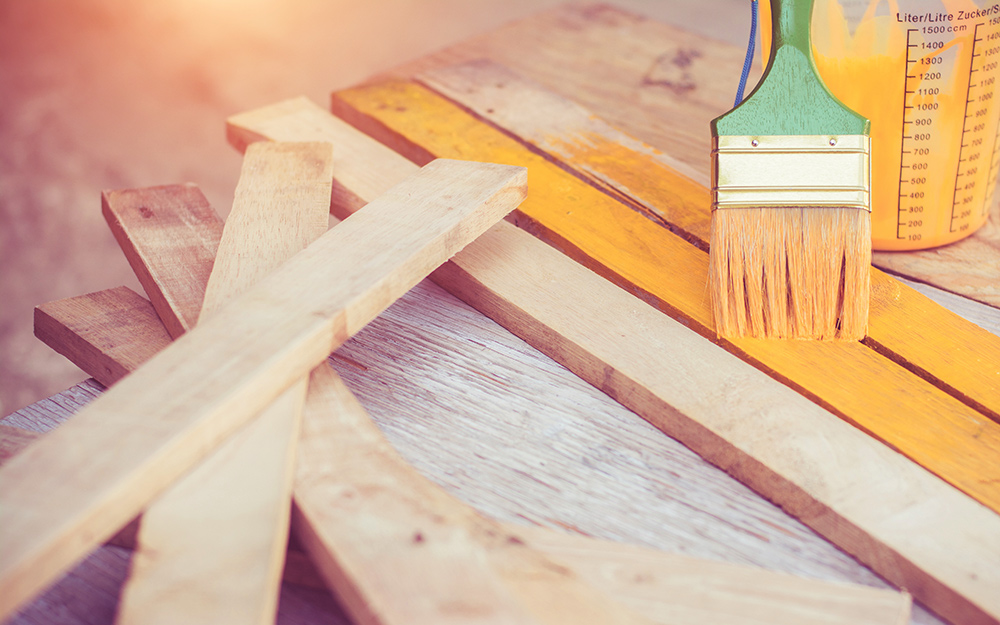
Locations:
(107, 94)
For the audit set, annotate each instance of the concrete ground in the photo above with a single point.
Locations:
(104, 94)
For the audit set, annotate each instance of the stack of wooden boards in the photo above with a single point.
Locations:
(924, 384)
(393, 547)
(359, 511)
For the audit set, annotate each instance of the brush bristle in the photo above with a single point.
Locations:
(791, 272)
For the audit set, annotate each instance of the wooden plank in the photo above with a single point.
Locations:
(986, 317)
(147, 223)
(703, 591)
(652, 181)
(76, 327)
(66, 494)
(877, 606)
(968, 267)
(353, 181)
(904, 325)
(13, 440)
(663, 85)
(355, 534)
(951, 439)
(664, 587)
(211, 548)
(848, 604)
(397, 549)
(912, 528)
(817, 468)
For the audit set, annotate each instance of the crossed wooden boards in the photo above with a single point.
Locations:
(494, 273)
(395, 548)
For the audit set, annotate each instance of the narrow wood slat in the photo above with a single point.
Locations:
(172, 573)
(904, 325)
(76, 327)
(664, 587)
(906, 524)
(922, 421)
(146, 223)
(351, 180)
(66, 494)
(211, 548)
(682, 590)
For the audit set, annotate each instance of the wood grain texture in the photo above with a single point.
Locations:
(663, 85)
(214, 378)
(149, 225)
(941, 433)
(878, 606)
(970, 267)
(611, 474)
(211, 548)
(76, 327)
(816, 467)
(13, 440)
(645, 579)
(398, 549)
(89, 594)
(771, 460)
(666, 189)
(370, 182)
(982, 315)
(642, 578)
(904, 325)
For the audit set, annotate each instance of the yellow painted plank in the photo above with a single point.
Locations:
(955, 354)
(925, 423)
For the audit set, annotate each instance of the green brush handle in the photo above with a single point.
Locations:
(790, 98)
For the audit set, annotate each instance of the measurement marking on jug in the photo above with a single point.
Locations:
(910, 204)
(978, 96)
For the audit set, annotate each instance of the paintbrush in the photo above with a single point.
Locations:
(790, 245)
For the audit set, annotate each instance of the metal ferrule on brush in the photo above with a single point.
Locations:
(791, 170)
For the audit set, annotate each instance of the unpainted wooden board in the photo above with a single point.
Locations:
(906, 524)
(75, 328)
(879, 607)
(13, 440)
(681, 590)
(951, 439)
(663, 84)
(665, 588)
(357, 531)
(866, 498)
(146, 223)
(211, 548)
(65, 495)
(352, 180)
(396, 548)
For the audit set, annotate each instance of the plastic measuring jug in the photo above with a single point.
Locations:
(925, 72)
